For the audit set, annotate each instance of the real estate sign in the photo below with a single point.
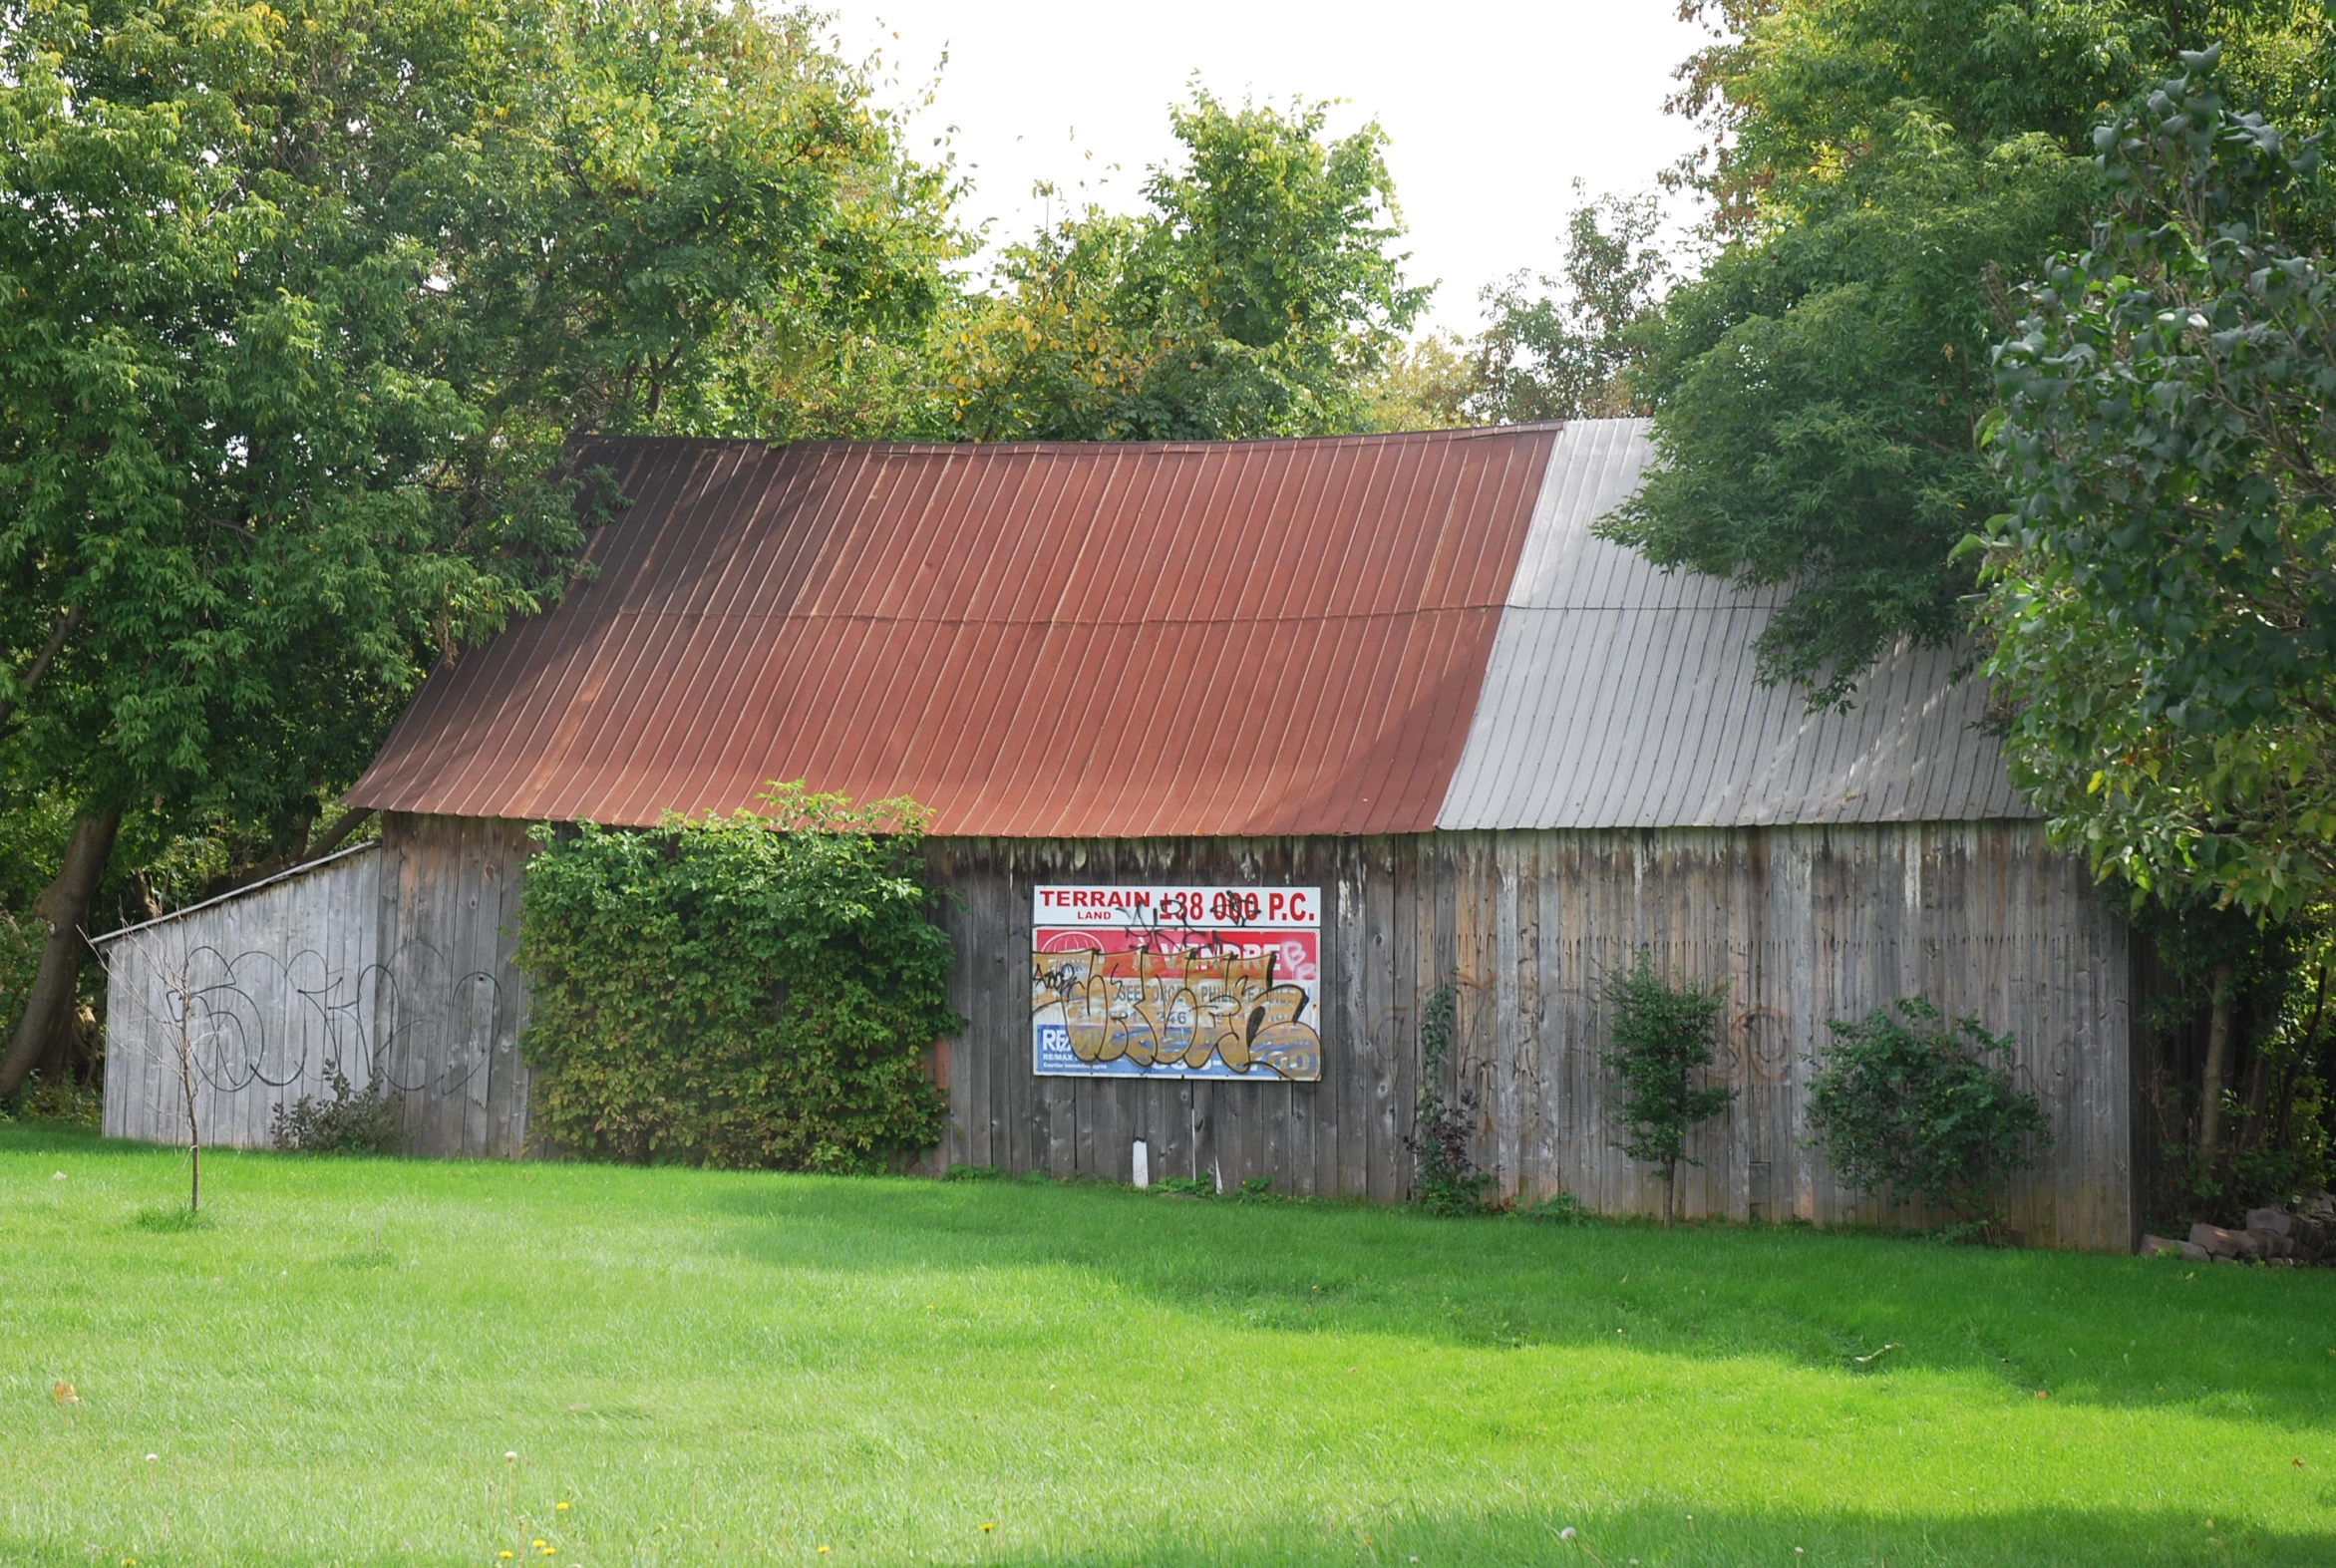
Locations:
(1176, 982)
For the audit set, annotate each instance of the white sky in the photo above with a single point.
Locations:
(1494, 108)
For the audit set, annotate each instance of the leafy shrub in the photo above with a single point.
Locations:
(1445, 1180)
(1662, 1037)
(752, 992)
(1913, 1107)
(1559, 1208)
(351, 1123)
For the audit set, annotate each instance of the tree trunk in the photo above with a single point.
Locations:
(1670, 1194)
(2259, 1089)
(64, 907)
(337, 834)
(2304, 1055)
(2218, 1065)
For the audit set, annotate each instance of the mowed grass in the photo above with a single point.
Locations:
(380, 1362)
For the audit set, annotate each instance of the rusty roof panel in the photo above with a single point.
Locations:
(1096, 640)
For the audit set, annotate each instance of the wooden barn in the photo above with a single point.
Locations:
(1236, 754)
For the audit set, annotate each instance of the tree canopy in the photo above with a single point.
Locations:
(2164, 590)
(1876, 168)
(301, 310)
(1257, 297)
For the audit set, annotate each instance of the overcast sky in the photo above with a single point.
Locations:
(1493, 108)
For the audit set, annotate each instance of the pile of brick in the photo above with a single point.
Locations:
(2276, 1237)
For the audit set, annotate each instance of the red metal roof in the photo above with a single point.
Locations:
(1093, 640)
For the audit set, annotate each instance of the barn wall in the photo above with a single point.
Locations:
(452, 997)
(1805, 923)
(392, 963)
(279, 982)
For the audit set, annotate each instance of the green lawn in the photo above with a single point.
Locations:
(409, 1362)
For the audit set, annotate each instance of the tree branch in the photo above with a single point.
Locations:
(67, 624)
(337, 834)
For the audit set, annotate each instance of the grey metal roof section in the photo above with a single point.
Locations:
(1623, 696)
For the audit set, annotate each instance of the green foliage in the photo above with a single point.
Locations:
(1187, 1186)
(1425, 384)
(752, 992)
(1818, 391)
(1816, 395)
(1256, 297)
(1660, 1040)
(1446, 1179)
(2161, 606)
(300, 309)
(352, 1121)
(69, 1100)
(1561, 1208)
(1910, 1107)
(1556, 348)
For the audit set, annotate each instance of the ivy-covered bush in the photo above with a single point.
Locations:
(1447, 1180)
(751, 991)
(1911, 1106)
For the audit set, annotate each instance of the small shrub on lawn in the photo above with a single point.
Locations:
(1913, 1107)
(1662, 1038)
(353, 1122)
(752, 992)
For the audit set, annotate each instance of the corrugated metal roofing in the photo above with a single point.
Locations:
(1247, 638)
(1622, 695)
(1371, 634)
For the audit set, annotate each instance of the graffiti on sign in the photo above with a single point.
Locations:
(1180, 982)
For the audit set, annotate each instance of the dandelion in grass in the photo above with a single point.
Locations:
(561, 1507)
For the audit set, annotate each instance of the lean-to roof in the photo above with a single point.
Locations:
(1357, 635)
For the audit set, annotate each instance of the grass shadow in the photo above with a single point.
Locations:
(1684, 1536)
(2106, 1329)
(35, 1136)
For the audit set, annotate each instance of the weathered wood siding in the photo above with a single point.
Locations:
(1805, 924)
(278, 993)
(392, 963)
(452, 1000)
